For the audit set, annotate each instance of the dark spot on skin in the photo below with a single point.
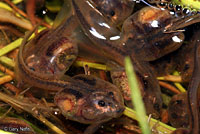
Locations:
(186, 67)
(71, 91)
(162, 43)
(174, 115)
(178, 101)
(87, 81)
(98, 8)
(70, 60)
(169, 60)
(76, 93)
(56, 44)
(146, 29)
(145, 83)
(143, 80)
(156, 107)
(101, 103)
(112, 13)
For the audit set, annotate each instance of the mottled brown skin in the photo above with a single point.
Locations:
(186, 60)
(194, 90)
(177, 109)
(52, 51)
(116, 52)
(135, 37)
(87, 49)
(165, 65)
(128, 37)
(120, 79)
(34, 77)
(143, 34)
(77, 96)
(101, 102)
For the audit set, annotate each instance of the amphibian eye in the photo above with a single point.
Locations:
(32, 68)
(111, 94)
(112, 13)
(101, 103)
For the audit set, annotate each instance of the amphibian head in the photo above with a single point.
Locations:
(95, 101)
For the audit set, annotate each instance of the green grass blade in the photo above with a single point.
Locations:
(178, 85)
(10, 46)
(4, 132)
(7, 61)
(136, 97)
(92, 65)
(156, 125)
